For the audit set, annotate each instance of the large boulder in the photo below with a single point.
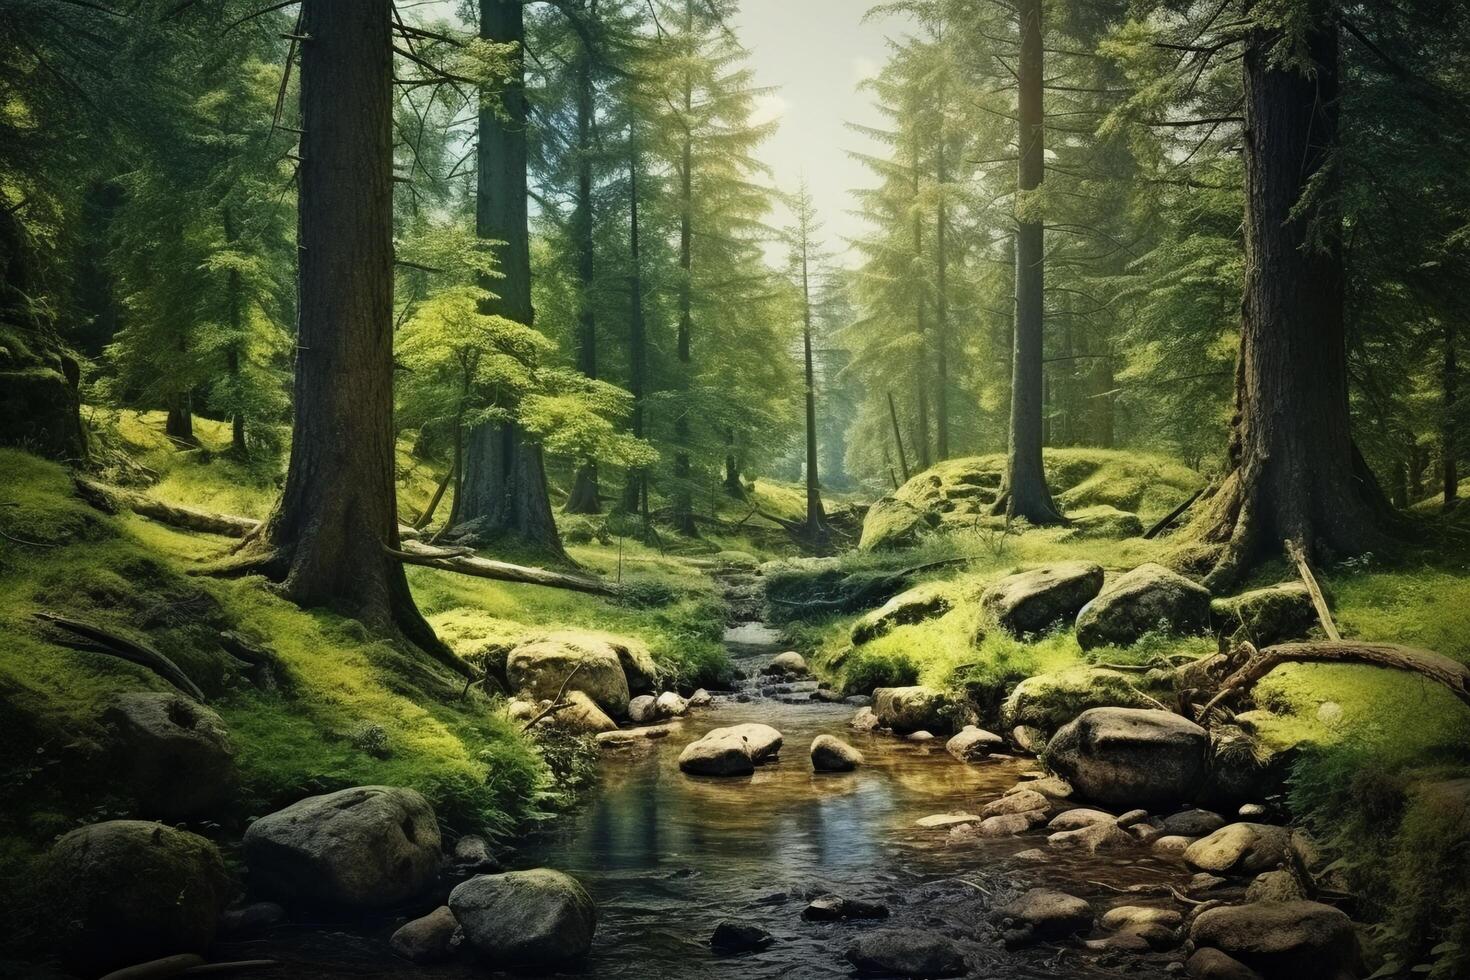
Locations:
(1131, 757)
(734, 751)
(914, 606)
(361, 848)
(536, 918)
(911, 953)
(912, 709)
(1282, 940)
(1046, 702)
(580, 716)
(537, 670)
(1240, 848)
(1266, 616)
(892, 523)
(1030, 602)
(1151, 597)
(171, 753)
(127, 891)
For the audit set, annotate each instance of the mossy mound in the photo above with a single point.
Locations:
(1048, 701)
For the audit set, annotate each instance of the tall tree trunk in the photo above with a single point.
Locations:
(325, 539)
(1295, 472)
(504, 491)
(683, 500)
(816, 518)
(585, 494)
(941, 298)
(921, 326)
(1449, 433)
(179, 422)
(733, 486)
(1025, 493)
(635, 497)
(903, 460)
(235, 314)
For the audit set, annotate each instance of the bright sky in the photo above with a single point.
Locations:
(815, 53)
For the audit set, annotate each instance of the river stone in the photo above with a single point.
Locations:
(865, 720)
(919, 736)
(1009, 824)
(946, 820)
(580, 716)
(1241, 849)
(912, 953)
(1079, 818)
(1025, 801)
(1030, 602)
(1285, 940)
(765, 741)
(911, 709)
(539, 917)
(433, 938)
(537, 670)
(914, 606)
(472, 853)
(1173, 844)
(1211, 964)
(1244, 768)
(1054, 788)
(725, 754)
(125, 891)
(1149, 598)
(1045, 702)
(1132, 916)
(829, 908)
(788, 664)
(639, 668)
(1275, 886)
(670, 705)
(1128, 757)
(1049, 914)
(1093, 838)
(701, 699)
(739, 937)
(831, 754)
(1266, 616)
(250, 920)
(172, 754)
(1193, 823)
(643, 709)
(973, 744)
(361, 848)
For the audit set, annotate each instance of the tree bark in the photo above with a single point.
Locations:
(683, 499)
(504, 492)
(903, 460)
(816, 518)
(1295, 472)
(635, 496)
(941, 294)
(585, 495)
(921, 326)
(235, 313)
(326, 538)
(1025, 492)
(1449, 437)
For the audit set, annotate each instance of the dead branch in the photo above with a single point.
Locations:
(413, 553)
(557, 703)
(1298, 554)
(1168, 519)
(100, 640)
(187, 518)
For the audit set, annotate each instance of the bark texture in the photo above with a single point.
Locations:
(1025, 493)
(1296, 473)
(326, 540)
(584, 497)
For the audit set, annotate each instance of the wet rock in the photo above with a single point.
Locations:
(1054, 788)
(539, 917)
(701, 699)
(827, 696)
(1097, 837)
(829, 908)
(865, 720)
(1030, 602)
(1079, 818)
(1025, 801)
(250, 920)
(1131, 916)
(914, 606)
(670, 705)
(946, 820)
(643, 709)
(1131, 756)
(1132, 817)
(1266, 616)
(1145, 833)
(472, 853)
(906, 953)
(1123, 942)
(579, 715)
(1203, 881)
(1029, 739)
(1172, 844)
(973, 744)
(1048, 914)
(1296, 940)
(634, 736)
(911, 709)
(1275, 886)
(765, 741)
(858, 700)
(537, 670)
(125, 891)
(1211, 964)
(1009, 824)
(1252, 811)
(739, 937)
(734, 751)
(1046, 702)
(788, 664)
(434, 938)
(919, 736)
(1149, 598)
(1034, 854)
(1240, 849)
(1193, 823)
(170, 753)
(366, 847)
(830, 754)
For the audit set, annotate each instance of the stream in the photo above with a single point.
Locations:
(668, 856)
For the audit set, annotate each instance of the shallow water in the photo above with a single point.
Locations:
(668, 856)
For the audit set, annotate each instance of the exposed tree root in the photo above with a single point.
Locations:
(1168, 519)
(99, 640)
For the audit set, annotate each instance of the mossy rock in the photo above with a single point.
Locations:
(918, 604)
(1265, 616)
(1048, 701)
(1105, 521)
(892, 523)
(585, 530)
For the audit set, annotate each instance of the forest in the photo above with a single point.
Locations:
(732, 488)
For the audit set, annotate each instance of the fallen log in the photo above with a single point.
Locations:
(1437, 667)
(413, 553)
(113, 499)
(104, 641)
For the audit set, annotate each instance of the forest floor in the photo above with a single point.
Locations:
(355, 711)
